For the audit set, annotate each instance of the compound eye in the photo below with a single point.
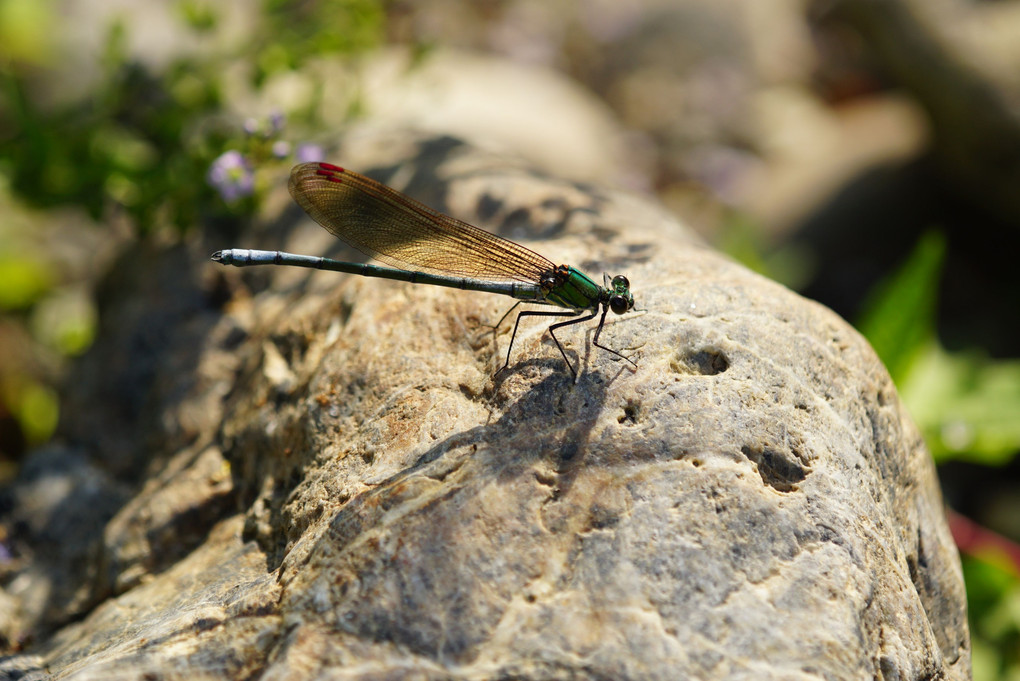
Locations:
(620, 280)
(619, 304)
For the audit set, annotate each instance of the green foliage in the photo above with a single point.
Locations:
(899, 315)
(197, 14)
(740, 238)
(143, 141)
(24, 282)
(304, 30)
(965, 404)
(121, 147)
(993, 596)
(25, 31)
(36, 408)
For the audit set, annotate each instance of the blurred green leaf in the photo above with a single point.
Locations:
(993, 597)
(967, 406)
(33, 404)
(65, 321)
(740, 237)
(144, 140)
(38, 410)
(298, 31)
(122, 149)
(899, 314)
(198, 14)
(22, 282)
(25, 32)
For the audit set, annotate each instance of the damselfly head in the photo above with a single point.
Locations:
(620, 298)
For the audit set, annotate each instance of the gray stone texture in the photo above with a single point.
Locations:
(336, 483)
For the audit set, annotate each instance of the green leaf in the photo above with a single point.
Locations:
(965, 404)
(993, 598)
(22, 282)
(899, 314)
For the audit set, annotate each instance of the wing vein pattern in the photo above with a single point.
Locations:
(397, 230)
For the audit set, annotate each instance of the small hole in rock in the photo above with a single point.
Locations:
(629, 414)
(707, 362)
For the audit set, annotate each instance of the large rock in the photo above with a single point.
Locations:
(751, 501)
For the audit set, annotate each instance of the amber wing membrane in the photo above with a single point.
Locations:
(395, 229)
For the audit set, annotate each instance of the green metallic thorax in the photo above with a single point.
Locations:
(572, 289)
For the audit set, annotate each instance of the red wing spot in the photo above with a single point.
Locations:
(331, 175)
(330, 166)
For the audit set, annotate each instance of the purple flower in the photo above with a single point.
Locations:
(281, 149)
(309, 153)
(276, 121)
(231, 175)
